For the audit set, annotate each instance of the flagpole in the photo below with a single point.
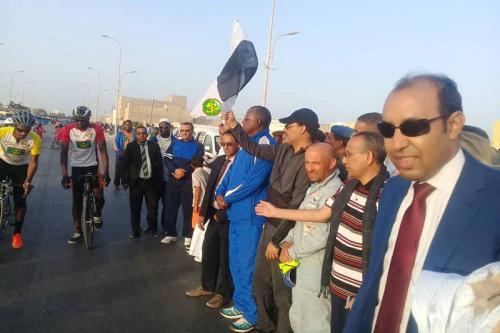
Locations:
(268, 57)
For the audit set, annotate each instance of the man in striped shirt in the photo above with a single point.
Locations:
(351, 212)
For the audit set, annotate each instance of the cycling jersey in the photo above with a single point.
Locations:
(18, 153)
(83, 144)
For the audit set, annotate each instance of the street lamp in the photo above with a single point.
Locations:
(24, 88)
(118, 83)
(12, 82)
(121, 80)
(98, 88)
(267, 66)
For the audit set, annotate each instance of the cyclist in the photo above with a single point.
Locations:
(84, 139)
(17, 144)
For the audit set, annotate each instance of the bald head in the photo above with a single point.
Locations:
(320, 162)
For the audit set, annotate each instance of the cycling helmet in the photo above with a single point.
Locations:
(23, 119)
(82, 112)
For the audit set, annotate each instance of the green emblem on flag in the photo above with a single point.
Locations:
(83, 144)
(15, 151)
(212, 107)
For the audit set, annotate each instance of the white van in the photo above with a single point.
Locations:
(209, 137)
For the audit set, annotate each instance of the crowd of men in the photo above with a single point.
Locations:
(388, 227)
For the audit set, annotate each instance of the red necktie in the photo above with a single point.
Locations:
(402, 261)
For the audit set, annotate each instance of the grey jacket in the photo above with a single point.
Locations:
(309, 239)
(288, 181)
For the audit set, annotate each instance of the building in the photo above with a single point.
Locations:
(495, 142)
(152, 110)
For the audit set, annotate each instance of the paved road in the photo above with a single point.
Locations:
(119, 286)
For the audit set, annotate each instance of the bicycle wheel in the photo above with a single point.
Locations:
(88, 221)
(5, 213)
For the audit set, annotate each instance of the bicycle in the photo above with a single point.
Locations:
(88, 208)
(6, 213)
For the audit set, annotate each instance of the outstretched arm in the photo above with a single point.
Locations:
(320, 215)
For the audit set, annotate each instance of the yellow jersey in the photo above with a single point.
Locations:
(18, 153)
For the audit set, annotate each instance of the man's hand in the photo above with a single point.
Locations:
(201, 223)
(229, 120)
(220, 201)
(179, 173)
(66, 182)
(284, 255)
(107, 179)
(286, 245)
(349, 303)
(266, 209)
(27, 188)
(272, 251)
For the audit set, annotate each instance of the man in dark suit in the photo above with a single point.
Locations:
(440, 215)
(215, 261)
(143, 169)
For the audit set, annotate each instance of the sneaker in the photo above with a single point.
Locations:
(17, 241)
(77, 237)
(241, 325)
(168, 239)
(215, 302)
(98, 222)
(198, 291)
(231, 313)
(187, 243)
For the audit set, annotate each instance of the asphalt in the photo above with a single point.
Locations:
(119, 286)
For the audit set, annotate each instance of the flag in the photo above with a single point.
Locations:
(235, 75)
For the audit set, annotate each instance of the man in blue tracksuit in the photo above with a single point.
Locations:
(245, 184)
(179, 189)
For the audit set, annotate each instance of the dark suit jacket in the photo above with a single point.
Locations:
(467, 238)
(207, 210)
(132, 163)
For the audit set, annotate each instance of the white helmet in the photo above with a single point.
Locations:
(82, 112)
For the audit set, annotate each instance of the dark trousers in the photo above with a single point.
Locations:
(143, 188)
(273, 298)
(118, 180)
(215, 274)
(163, 216)
(179, 193)
(339, 314)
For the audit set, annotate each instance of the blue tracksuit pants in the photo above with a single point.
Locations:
(243, 241)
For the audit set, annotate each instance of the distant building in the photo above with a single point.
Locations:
(495, 142)
(152, 110)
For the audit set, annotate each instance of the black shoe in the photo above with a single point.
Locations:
(132, 236)
(77, 237)
(147, 231)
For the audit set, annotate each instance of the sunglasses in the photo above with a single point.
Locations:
(410, 127)
(164, 127)
(227, 144)
(184, 131)
(287, 126)
(23, 130)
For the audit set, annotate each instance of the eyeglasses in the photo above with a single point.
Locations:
(227, 144)
(184, 131)
(349, 154)
(410, 127)
(23, 130)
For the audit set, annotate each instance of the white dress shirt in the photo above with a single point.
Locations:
(444, 182)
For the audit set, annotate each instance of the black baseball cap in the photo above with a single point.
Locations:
(303, 116)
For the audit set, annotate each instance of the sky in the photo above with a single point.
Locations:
(343, 63)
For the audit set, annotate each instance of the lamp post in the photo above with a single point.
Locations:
(24, 88)
(121, 80)
(12, 82)
(267, 66)
(118, 83)
(98, 89)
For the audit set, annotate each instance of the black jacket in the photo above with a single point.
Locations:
(288, 182)
(132, 163)
(207, 210)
